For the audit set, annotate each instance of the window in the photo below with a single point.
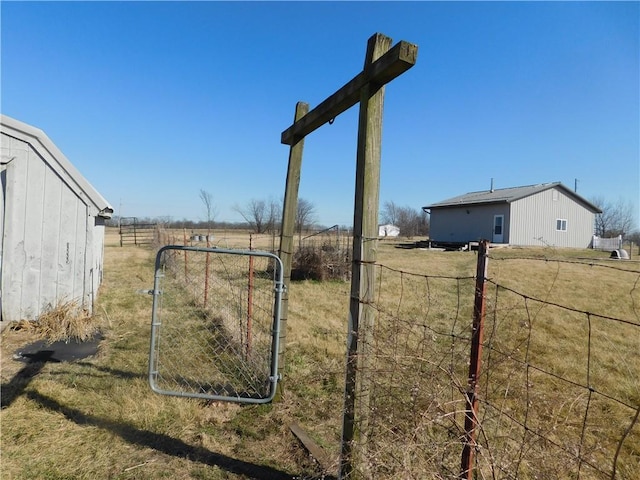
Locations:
(497, 224)
(561, 225)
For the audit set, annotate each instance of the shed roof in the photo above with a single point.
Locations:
(508, 195)
(57, 160)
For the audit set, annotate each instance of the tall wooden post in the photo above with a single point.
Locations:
(365, 244)
(382, 64)
(289, 209)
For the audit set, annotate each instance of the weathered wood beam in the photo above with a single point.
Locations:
(289, 209)
(362, 313)
(312, 447)
(396, 61)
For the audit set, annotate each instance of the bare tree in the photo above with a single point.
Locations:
(305, 215)
(410, 221)
(262, 216)
(207, 200)
(389, 213)
(616, 218)
(274, 215)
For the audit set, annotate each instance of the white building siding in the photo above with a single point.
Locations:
(533, 221)
(53, 232)
(44, 236)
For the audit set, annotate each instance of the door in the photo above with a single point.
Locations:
(498, 229)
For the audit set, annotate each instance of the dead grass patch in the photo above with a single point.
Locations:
(65, 321)
(102, 413)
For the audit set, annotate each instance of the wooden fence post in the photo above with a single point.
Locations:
(382, 64)
(471, 411)
(365, 244)
(289, 208)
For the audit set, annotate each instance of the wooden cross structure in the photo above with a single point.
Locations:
(382, 64)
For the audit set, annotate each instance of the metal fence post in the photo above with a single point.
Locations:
(471, 413)
(186, 263)
(250, 299)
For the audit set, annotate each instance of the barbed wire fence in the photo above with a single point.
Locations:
(557, 392)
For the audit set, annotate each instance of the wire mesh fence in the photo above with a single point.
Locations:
(558, 389)
(323, 255)
(215, 323)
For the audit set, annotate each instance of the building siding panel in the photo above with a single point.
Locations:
(14, 253)
(45, 235)
(53, 230)
(68, 261)
(50, 294)
(534, 221)
(466, 224)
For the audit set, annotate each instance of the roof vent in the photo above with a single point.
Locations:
(491, 190)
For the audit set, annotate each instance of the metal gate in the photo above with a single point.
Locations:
(215, 324)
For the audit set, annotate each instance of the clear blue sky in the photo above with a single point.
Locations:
(153, 101)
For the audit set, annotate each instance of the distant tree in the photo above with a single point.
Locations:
(410, 221)
(261, 215)
(114, 221)
(274, 216)
(615, 219)
(390, 213)
(207, 200)
(255, 214)
(305, 215)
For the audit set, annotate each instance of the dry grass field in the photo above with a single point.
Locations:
(98, 418)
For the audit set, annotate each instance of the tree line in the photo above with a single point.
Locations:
(264, 216)
(616, 218)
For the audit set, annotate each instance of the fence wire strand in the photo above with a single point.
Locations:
(559, 394)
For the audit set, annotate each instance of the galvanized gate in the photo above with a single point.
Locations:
(215, 324)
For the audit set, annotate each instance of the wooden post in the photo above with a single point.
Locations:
(289, 209)
(135, 233)
(365, 243)
(382, 64)
(471, 413)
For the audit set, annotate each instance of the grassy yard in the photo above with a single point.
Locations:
(97, 418)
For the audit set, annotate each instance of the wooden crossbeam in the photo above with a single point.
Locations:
(396, 61)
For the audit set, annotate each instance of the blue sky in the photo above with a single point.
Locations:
(153, 101)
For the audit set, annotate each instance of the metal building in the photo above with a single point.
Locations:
(547, 214)
(51, 226)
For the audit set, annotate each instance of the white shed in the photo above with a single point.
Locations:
(51, 227)
(388, 230)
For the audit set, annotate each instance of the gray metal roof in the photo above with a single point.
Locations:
(62, 165)
(508, 195)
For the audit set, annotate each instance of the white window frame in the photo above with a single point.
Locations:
(561, 224)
